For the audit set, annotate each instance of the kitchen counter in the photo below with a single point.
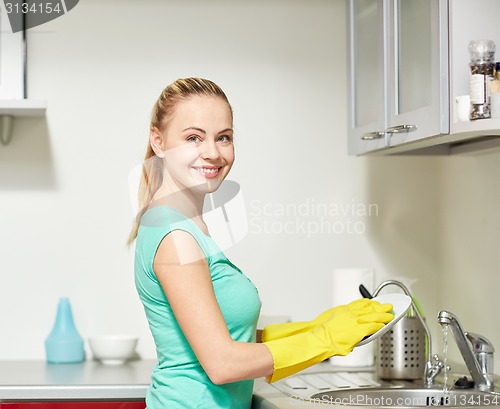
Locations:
(25, 381)
(268, 397)
(271, 397)
(90, 380)
(31, 381)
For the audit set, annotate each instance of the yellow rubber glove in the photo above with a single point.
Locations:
(338, 335)
(286, 329)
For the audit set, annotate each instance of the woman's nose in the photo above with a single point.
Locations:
(209, 150)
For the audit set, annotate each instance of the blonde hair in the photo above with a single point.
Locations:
(163, 109)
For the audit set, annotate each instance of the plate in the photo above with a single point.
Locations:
(400, 304)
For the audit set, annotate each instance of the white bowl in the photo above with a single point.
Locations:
(113, 349)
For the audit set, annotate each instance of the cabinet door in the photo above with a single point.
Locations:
(418, 70)
(12, 56)
(366, 68)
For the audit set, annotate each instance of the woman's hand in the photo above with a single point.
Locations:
(286, 329)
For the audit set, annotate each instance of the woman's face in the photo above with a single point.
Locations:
(198, 144)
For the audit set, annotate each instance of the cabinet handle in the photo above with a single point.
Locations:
(401, 129)
(369, 136)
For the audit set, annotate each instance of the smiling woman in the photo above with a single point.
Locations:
(202, 310)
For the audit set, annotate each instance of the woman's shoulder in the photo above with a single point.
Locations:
(161, 217)
(160, 221)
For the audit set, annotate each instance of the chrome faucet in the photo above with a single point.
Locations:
(476, 351)
(433, 370)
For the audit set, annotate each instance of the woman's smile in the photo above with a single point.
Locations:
(209, 172)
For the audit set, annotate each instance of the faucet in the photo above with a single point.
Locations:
(476, 351)
(433, 370)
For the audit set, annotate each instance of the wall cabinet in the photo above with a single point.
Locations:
(408, 60)
(12, 60)
(13, 92)
(367, 71)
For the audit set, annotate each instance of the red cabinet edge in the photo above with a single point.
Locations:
(74, 405)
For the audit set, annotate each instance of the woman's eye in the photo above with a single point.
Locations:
(225, 139)
(193, 138)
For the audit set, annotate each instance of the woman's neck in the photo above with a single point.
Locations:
(187, 202)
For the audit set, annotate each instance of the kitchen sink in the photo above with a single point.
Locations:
(408, 397)
(363, 388)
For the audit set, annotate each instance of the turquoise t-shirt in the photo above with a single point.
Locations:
(178, 379)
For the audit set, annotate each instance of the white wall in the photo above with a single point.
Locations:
(470, 273)
(64, 205)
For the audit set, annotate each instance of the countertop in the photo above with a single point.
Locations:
(89, 380)
(279, 395)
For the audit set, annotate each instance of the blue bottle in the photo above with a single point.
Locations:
(64, 344)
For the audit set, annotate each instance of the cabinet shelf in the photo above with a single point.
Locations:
(480, 125)
(13, 108)
(22, 107)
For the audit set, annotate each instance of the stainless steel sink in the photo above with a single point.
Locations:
(407, 397)
(363, 388)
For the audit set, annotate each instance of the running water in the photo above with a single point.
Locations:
(445, 358)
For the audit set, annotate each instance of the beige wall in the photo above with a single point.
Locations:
(469, 278)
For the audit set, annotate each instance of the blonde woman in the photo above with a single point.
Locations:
(202, 310)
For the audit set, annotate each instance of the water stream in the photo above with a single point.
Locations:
(446, 388)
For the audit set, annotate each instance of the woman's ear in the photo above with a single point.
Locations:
(156, 142)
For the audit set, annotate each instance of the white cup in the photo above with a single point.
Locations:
(463, 108)
(495, 105)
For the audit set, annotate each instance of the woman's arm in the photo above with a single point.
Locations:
(182, 269)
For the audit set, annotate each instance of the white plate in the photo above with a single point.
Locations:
(400, 304)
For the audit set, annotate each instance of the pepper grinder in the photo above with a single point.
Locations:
(64, 344)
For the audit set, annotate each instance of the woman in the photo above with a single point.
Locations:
(201, 309)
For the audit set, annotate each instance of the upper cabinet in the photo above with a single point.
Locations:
(12, 60)
(367, 71)
(408, 61)
(13, 92)
(417, 97)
